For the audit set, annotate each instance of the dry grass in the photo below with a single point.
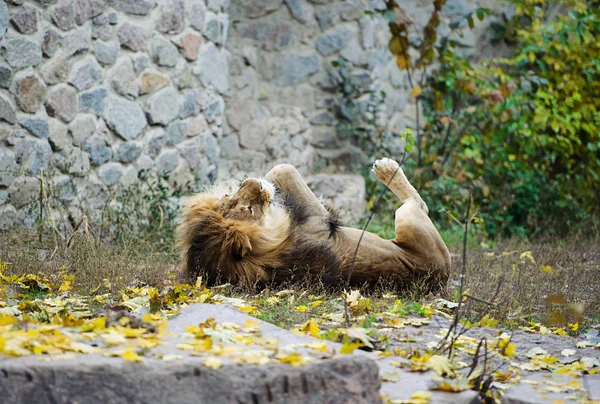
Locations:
(562, 286)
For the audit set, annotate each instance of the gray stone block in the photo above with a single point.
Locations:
(51, 42)
(137, 7)
(8, 167)
(7, 110)
(106, 53)
(293, 68)
(163, 106)
(97, 149)
(110, 173)
(167, 162)
(62, 102)
(25, 19)
(93, 101)
(163, 52)
(86, 73)
(171, 18)
(128, 151)
(5, 76)
(212, 67)
(133, 37)
(4, 18)
(21, 52)
(125, 117)
(332, 42)
(36, 126)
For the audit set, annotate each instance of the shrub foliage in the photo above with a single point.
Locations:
(522, 132)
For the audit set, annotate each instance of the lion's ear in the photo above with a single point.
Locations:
(239, 243)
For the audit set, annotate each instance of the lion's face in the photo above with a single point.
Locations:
(249, 203)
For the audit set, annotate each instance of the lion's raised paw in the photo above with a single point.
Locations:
(385, 168)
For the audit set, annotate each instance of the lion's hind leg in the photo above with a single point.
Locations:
(414, 229)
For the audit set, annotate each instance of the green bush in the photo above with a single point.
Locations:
(522, 133)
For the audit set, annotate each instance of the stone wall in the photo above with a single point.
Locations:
(95, 91)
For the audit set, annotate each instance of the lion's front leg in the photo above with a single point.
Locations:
(288, 181)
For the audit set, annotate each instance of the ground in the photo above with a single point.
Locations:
(527, 309)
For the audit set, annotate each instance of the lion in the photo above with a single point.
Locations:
(273, 230)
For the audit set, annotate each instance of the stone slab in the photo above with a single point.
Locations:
(99, 379)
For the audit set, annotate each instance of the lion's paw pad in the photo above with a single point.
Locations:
(385, 168)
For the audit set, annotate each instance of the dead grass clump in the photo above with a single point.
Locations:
(555, 282)
(90, 261)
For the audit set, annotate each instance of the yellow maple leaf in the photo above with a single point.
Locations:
(131, 356)
(301, 309)
(213, 363)
(441, 364)
(417, 90)
(294, 359)
(348, 348)
(573, 327)
(311, 328)
(390, 377)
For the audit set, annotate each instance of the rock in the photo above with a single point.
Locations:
(293, 68)
(212, 67)
(163, 106)
(37, 127)
(77, 42)
(129, 177)
(86, 73)
(51, 43)
(155, 140)
(163, 52)
(58, 135)
(176, 131)
(86, 9)
(8, 167)
(368, 28)
(214, 108)
(8, 216)
(97, 149)
(62, 102)
(230, 147)
(171, 17)
(74, 161)
(63, 16)
(167, 162)
(190, 43)
(216, 27)
(140, 62)
(346, 191)
(324, 118)
(144, 163)
(7, 111)
(56, 70)
(327, 44)
(190, 105)
(271, 35)
(30, 93)
(196, 11)
(259, 8)
(325, 17)
(21, 52)
(93, 101)
(184, 78)
(354, 54)
(82, 128)
(329, 79)
(133, 37)
(196, 126)
(152, 81)
(123, 78)
(64, 188)
(106, 52)
(5, 77)
(128, 151)
(125, 117)
(4, 18)
(25, 19)
(299, 9)
(190, 150)
(137, 7)
(23, 191)
(33, 155)
(354, 9)
(110, 173)
(103, 32)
